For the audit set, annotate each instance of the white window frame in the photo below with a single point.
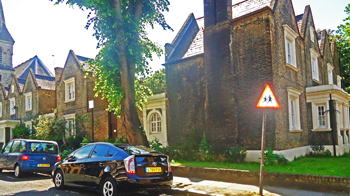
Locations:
(28, 101)
(330, 73)
(12, 88)
(70, 125)
(154, 123)
(314, 68)
(321, 114)
(315, 116)
(0, 109)
(339, 80)
(290, 38)
(294, 109)
(69, 89)
(12, 105)
(312, 34)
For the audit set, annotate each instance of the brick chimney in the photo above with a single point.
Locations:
(216, 11)
(58, 72)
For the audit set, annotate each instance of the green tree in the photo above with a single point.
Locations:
(343, 43)
(156, 82)
(20, 131)
(125, 49)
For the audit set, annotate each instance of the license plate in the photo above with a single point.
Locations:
(43, 165)
(153, 169)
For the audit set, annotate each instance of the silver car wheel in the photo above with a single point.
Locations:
(108, 189)
(58, 179)
(17, 171)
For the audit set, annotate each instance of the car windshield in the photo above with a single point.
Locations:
(133, 150)
(42, 147)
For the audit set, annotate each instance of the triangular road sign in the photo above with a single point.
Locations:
(268, 99)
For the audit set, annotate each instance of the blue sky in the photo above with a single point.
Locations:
(43, 29)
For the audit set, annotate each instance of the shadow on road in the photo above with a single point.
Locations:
(9, 176)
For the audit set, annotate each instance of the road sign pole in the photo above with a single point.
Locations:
(263, 136)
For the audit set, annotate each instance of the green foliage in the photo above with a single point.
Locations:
(319, 151)
(236, 155)
(86, 140)
(20, 131)
(156, 82)
(118, 140)
(343, 44)
(65, 154)
(204, 149)
(47, 128)
(120, 30)
(156, 145)
(274, 159)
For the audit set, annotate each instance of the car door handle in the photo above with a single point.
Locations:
(102, 164)
(81, 165)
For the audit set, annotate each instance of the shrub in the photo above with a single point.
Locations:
(20, 131)
(319, 151)
(86, 140)
(274, 159)
(65, 154)
(235, 155)
(156, 145)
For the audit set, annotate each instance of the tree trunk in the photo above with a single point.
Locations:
(129, 115)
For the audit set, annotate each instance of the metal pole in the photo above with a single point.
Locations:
(92, 119)
(331, 113)
(263, 137)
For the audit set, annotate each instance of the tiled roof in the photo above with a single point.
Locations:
(238, 10)
(197, 46)
(248, 6)
(21, 81)
(35, 64)
(300, 20)
(83, 61)
(46, 84)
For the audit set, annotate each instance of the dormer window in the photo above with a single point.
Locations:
(12, 89)
(12, 106)
(70, 90)
(314, 64)
(330, 73)
(28, 101)
(290, 38)
(312, 34)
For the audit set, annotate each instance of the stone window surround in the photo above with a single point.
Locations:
(153, 112)
(12, 109)
(294, 94)
(314, 106)
(28, 95)
(339, 78)
(12, 88)
(290, 35)
(68, 118)
(66, 89)
(312, 34)
(314, 56)
(0, 109)
(330, 68)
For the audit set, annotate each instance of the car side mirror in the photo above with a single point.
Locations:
(71, 158)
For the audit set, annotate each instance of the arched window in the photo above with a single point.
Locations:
(0, 55)
(156, 123)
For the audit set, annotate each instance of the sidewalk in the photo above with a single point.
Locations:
(217, 188)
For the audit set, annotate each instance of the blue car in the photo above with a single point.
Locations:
(26, 156)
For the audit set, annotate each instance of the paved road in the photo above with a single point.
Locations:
(38, 184)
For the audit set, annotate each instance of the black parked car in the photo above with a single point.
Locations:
(114, 168)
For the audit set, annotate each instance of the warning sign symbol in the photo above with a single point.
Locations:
(268, 99)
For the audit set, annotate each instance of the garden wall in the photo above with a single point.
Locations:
(308, 182)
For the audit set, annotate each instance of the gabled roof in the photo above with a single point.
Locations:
(248, 6)
(35, 64)
(300, 21)
(84, 61)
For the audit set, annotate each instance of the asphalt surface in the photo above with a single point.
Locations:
(40, 184)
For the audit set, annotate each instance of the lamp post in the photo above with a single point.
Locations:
(91, 106)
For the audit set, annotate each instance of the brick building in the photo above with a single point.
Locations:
(218, 65)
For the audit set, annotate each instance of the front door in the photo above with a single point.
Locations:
(7, 134)
(113, 125)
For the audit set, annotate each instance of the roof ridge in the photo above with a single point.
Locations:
(24, 62)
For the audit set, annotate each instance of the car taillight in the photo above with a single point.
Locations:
(58, 158)
(25, 157)
(130, 164)
(169, 167)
